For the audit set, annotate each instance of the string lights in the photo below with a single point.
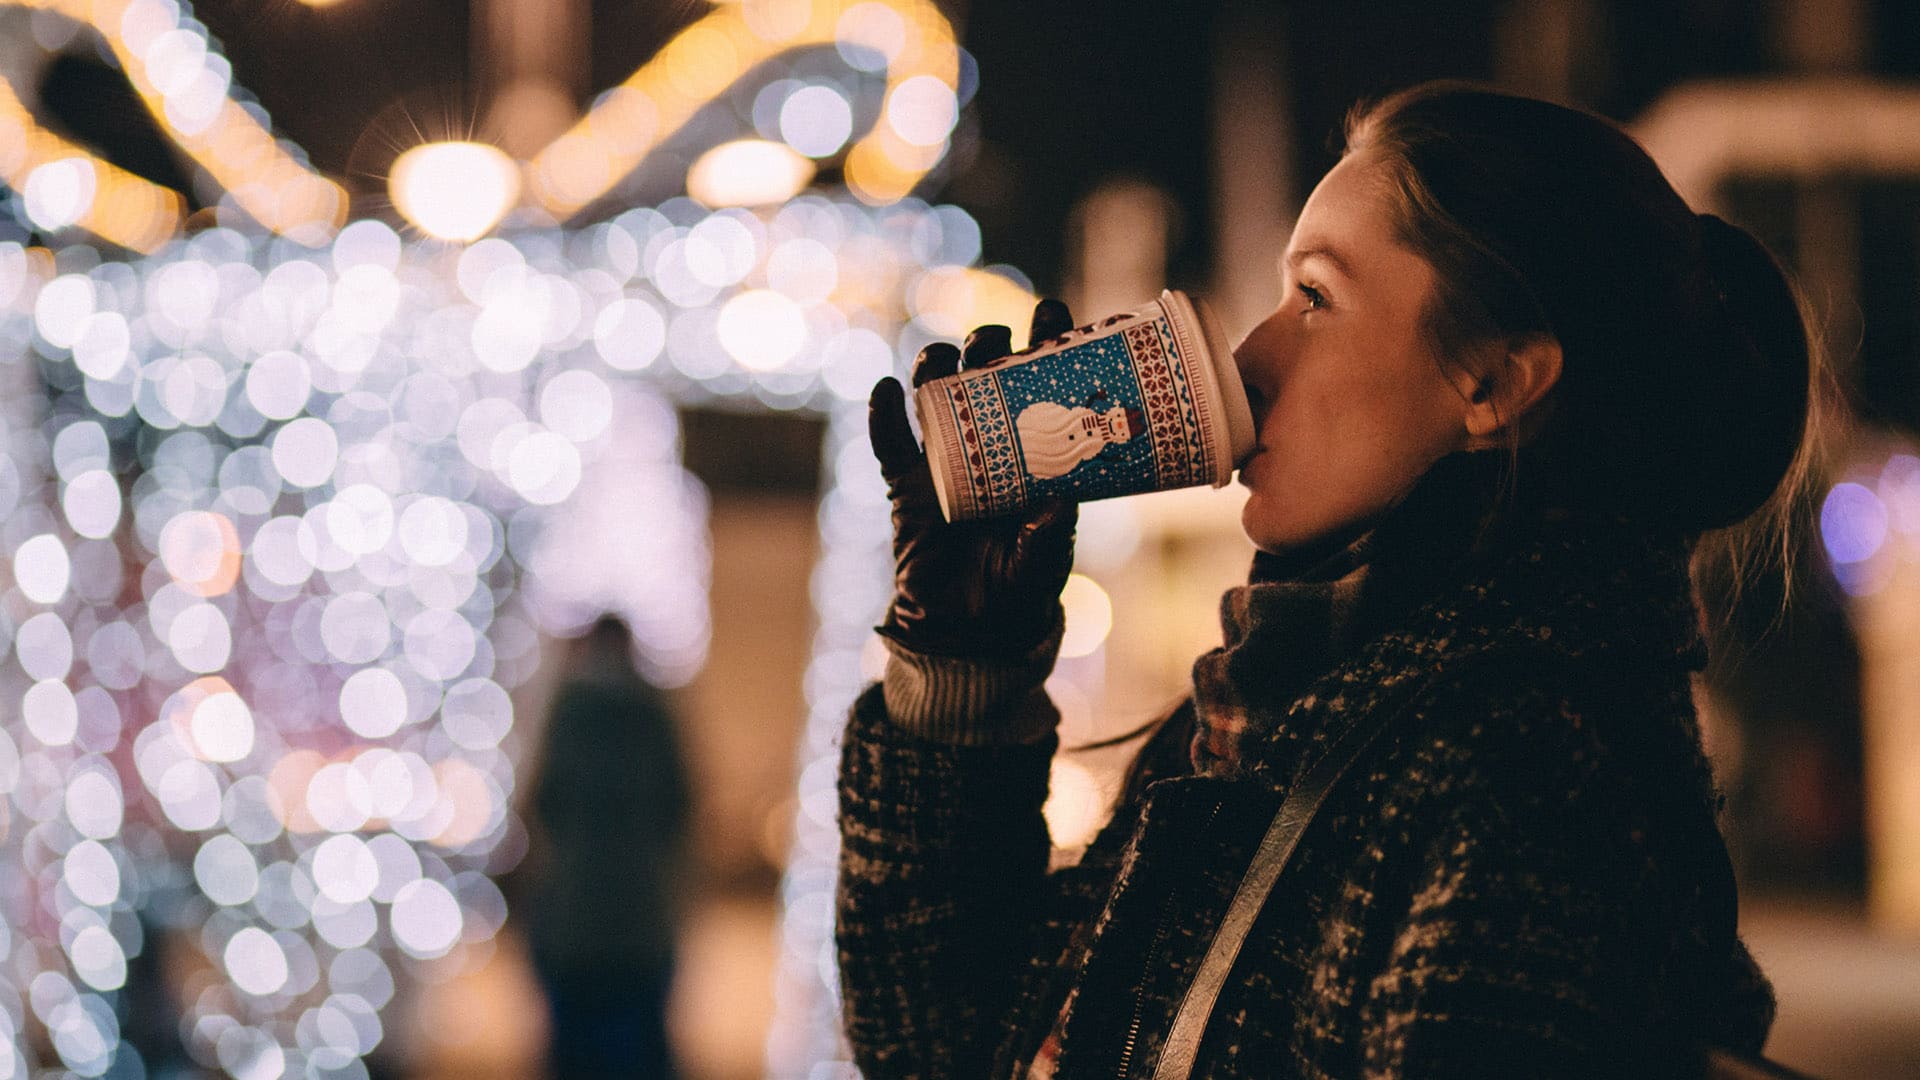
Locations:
(187, 86)
(62, 185)
(289, 505)
(907, 39)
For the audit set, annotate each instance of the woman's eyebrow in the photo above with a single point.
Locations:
(1295, 258)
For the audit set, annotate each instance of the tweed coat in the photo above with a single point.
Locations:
(1524, 877)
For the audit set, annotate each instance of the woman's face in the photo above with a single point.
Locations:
(1349, 398)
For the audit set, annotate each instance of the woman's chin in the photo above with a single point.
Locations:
(1269, 530)
(1274, 530)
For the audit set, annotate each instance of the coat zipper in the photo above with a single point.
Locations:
(1139, 991)
(1146, 964)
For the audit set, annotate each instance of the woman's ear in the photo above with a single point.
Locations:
(1507, 390)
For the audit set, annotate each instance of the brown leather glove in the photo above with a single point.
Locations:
(986, 589)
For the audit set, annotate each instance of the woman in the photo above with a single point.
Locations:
(1512, 382)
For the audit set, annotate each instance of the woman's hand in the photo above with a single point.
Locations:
(986, 589)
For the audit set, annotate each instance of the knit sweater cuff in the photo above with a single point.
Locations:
(966, 701)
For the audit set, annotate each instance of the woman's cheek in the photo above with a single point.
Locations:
(1308, 417)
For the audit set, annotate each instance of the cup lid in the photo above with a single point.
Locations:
(1232, 396)
(941, 482)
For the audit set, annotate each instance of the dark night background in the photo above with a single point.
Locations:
(1073, 96)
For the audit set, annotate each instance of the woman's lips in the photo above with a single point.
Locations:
(1247, 465)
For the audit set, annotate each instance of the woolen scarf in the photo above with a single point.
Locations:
(1300, 613)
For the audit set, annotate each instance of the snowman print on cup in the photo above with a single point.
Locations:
(1055, 438)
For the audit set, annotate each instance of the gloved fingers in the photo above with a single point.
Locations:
(1050, 319)
(887, 428)
(985, 345)
(1045, 542)
(916, 507)
(1055, 515)
(936, 361)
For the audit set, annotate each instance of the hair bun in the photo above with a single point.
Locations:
(1758, 366)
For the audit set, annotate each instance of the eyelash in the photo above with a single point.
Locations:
(1316, 300)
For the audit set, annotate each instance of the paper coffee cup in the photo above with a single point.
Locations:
(1147, 400)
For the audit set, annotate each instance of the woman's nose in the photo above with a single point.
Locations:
(1243, 362)
(1257, 360)
(1256, 393)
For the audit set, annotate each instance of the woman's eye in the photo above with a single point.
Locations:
(1315, 299)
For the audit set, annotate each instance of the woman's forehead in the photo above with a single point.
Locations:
(1348, 227)
(1349, 207)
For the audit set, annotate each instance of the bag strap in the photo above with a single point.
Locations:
(1182, 1048)
(1276, 849)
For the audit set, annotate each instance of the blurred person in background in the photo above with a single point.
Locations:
(602, 901)
(1514, 386)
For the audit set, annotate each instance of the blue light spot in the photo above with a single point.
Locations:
(1853, 523)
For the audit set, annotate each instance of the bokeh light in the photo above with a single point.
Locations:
(1853, 522)
(1089, 616)
(60, 193)
(952, 300)
(186, 85)
(923, 110)
(1076, 806)
(323, 569)
(454, 190)
(907, 40)
(748, 172)
(816, 120)
(762, 329)
(1870, 523)
(288, 520)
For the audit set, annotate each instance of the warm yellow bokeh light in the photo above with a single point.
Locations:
(954, 299)
(911, 39)
(1076, 804)
(454, 190)
(62, 182)
(466, 803)
(1089, 616)
(166, 58)
(762, 329)
(749, 172)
